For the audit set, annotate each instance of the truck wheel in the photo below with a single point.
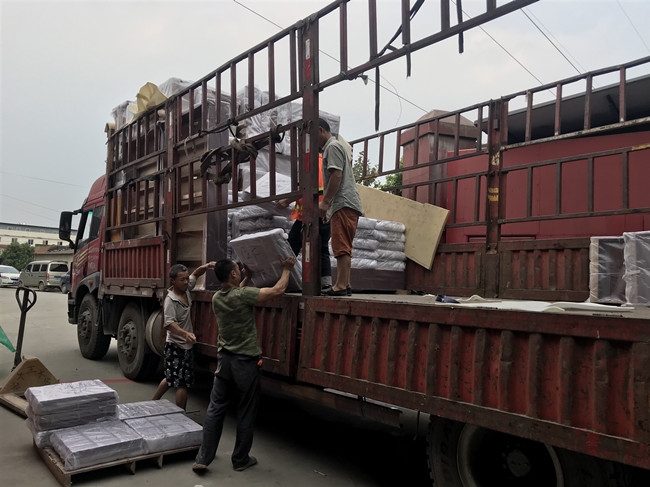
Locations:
(155, 333)
(136, 360)
(93, 344)
(463, 455)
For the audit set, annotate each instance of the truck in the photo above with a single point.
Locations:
(523, 382)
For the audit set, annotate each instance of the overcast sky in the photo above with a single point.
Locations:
(67, 64)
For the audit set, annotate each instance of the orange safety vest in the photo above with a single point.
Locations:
(296, 214)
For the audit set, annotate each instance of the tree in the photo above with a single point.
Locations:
(394, 181)
(17, 255)
(371, 172)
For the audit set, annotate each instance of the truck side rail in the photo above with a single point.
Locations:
(497, 369)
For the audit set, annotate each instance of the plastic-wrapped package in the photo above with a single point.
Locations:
(167, 432)
(388, 226)
(390, 265)
(394, 255)
(606, 270)
(68, 397)
(142, 409)
(94, 444)
(73, 416)
(391, 245)
(637, 267)
(262, 252)
(366, 223)
(388, 235)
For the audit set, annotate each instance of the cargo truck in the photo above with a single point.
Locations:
(523, 383)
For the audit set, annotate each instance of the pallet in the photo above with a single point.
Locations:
(56, 465)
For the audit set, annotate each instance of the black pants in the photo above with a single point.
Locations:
(324, 232)
(236, 375)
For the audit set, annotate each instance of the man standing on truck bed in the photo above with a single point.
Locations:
(238, 361)
(179, 358)
(341, 205)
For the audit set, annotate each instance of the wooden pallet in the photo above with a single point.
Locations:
(56, 466)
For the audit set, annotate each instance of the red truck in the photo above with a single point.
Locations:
(515, 396)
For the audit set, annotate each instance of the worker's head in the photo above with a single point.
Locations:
(225, 269)
(180, 277)
(324, 132)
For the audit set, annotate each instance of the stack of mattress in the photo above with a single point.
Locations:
(378, 244)
(59, 406)
(637, 267)
(88, 427)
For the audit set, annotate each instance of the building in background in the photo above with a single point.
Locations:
(45, 240)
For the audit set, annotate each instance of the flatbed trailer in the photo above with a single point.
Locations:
(515, 395)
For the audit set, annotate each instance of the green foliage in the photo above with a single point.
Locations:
(371, 172)
(17, 255)
(393, 181)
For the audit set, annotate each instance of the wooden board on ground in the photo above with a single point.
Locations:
(30, 372)
(64, 477)
(424, 223)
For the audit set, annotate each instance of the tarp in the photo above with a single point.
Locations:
(5, 340)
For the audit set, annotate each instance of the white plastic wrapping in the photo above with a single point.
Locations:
(167, 432)
(142, 409)
(262, 252)
(637, 267)
(606, 270)
(63, 397)
(94, 444)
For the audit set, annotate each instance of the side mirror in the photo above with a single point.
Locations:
(65, 226)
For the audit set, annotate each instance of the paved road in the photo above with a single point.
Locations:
(295, 446)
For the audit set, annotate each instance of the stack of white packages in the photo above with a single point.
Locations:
(378, 244)
(59, 406)
(142, 409)
(96, 443)
(166, 432)
(161, 424)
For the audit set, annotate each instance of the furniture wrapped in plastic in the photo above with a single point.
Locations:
(97, 443)
(606, 270)
(64, 397)
(261, 252)
(167, 432)
(58, 406)
(637, 267)
(142, 409)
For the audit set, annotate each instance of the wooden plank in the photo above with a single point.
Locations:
(64, 476)
(424, 223)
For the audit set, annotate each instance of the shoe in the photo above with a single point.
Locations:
(251, 461)
(348, 291)
(340, 292)
(199, 468)
(325, 288)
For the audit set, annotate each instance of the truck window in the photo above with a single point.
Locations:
(90, 225)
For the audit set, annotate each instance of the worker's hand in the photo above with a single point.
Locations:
(323, 206)
(190, 337)
(283, 203)
(210, 265)
(288, 263)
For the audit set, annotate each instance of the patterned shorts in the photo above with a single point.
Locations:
(179, 366)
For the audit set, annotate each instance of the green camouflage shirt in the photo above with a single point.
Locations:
(234, 309)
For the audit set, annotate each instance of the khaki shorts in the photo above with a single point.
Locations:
(344, 226)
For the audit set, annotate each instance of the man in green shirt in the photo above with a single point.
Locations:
(239, 360)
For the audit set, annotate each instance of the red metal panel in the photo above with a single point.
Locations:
(135, 263)
(563, 375)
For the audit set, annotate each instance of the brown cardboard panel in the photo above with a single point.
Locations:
(424, 223)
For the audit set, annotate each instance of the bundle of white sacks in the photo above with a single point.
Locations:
(378, 244)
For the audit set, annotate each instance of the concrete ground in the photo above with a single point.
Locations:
(294, 444)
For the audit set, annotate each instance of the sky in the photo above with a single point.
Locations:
(66, 64)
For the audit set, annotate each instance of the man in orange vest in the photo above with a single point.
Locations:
(324, 232)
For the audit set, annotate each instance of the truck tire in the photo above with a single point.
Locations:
(93, 344)
(463, 455)
(155, 333)
(136, 359)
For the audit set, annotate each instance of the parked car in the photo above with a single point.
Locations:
(8, 275)
(65, 283)
(43, 274)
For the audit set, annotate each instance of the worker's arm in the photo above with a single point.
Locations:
(284, 202)
(199, 271)
(333, 186)
(267, 293)
(176, 330)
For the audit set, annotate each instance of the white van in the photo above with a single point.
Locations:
(43, 274)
